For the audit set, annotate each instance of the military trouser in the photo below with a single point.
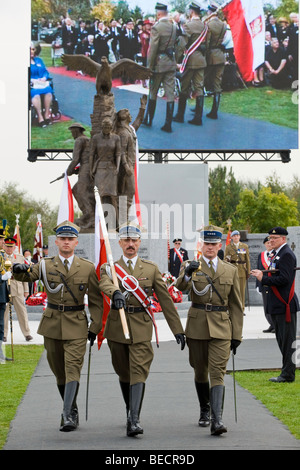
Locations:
(131, 362)
(194, 78)
(65, 358)
(213, 77)
(168, 81)
(209, 359)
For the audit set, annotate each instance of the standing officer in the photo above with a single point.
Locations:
(4, 276)
(132, 358)
(193, 73)
(215, 57)
(238, 253)
(263, 262)
(214, 324)
(18, 290)
(64, 323)
(177, 256)
(282, 302)
(162, 63)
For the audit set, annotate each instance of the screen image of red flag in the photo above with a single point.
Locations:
(136, 203)
(38, 240)
(66, 207)
(100, 258)
(17, 236)
(247, 24)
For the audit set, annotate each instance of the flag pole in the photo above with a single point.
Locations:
(110, 258)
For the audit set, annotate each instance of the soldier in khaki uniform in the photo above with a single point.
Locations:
(64, 323)
(132, 358)
(161, 61)
(215, 57)
(18, 290)
(193, 73)
(237, 253)
(214, 324)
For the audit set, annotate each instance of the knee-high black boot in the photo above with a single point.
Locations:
(136, 399)
(197, 119)
(125, 387)
(149, 115)
(70, 410)
(167, 127)
(215, 106)
(217, 401)
(181, 109)
(203, 396)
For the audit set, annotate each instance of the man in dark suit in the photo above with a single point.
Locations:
(129, 44)
(68, 36)
(263, 262)
(4, 277)
(177, 256)
(282, 302)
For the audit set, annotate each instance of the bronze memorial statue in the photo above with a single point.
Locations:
(113, 144)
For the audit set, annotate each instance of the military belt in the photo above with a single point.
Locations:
(238, 262)
(130, 309)
(65, 308)
(210, 307)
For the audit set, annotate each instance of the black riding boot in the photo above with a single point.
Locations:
(149, 115)
(197, 119)
(136, 400)
(169, 116)
(203, 396)
(125, 387)
(70, 411)
(181, 109)
(215, 106)
(217, 400)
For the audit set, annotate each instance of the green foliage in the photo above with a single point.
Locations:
(287, 7)
(257, 213)
(14, 201)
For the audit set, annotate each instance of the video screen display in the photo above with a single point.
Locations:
(247, 107)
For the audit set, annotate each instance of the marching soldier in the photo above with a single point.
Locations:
(161, 61)
(215, 57)
(237, 253)
(64, 323)
(132, 358)
(214, 324)
(193, 41)
(18, 290)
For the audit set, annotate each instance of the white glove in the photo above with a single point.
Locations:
(6, 276)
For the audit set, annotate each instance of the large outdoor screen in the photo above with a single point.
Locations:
(257, 110)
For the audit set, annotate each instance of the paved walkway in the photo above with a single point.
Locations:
(170, 410)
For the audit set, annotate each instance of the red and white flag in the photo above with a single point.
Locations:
(66, 207)
(247, 24)
(38, 240)
(100, 258)
(17, 236)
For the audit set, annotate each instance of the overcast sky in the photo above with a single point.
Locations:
(35, 177)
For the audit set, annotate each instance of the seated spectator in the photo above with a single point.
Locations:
(276, 59)
(40, 91)
(89, 48)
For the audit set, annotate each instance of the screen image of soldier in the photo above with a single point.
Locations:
(282, 301)
(64, 324)
(177, 256)
(132, 358)
(214, 324)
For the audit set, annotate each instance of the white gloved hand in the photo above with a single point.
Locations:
(6, 276)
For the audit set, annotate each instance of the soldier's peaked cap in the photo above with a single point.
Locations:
(235, 232)
(2, 233)
(129, 230)
(194, 6)
(67, 229)
(211, 234)
(278, 231)
(177, 240)
(10, 241)
(161, 6)
(213, 6)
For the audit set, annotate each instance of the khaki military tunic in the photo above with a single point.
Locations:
(161, 58)
(239, 257)
(194, 70)
(135, 367)
(215, 54)
(209, 332)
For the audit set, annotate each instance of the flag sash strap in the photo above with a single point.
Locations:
(178, 254)
(193, 47)
(287, 304)
(264, 259)
(133, 286)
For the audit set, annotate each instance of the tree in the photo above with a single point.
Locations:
(13, 201)
(258, 213)
(224, 193)
(287, 7)
(105, 10)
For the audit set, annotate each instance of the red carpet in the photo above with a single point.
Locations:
(73, 74)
